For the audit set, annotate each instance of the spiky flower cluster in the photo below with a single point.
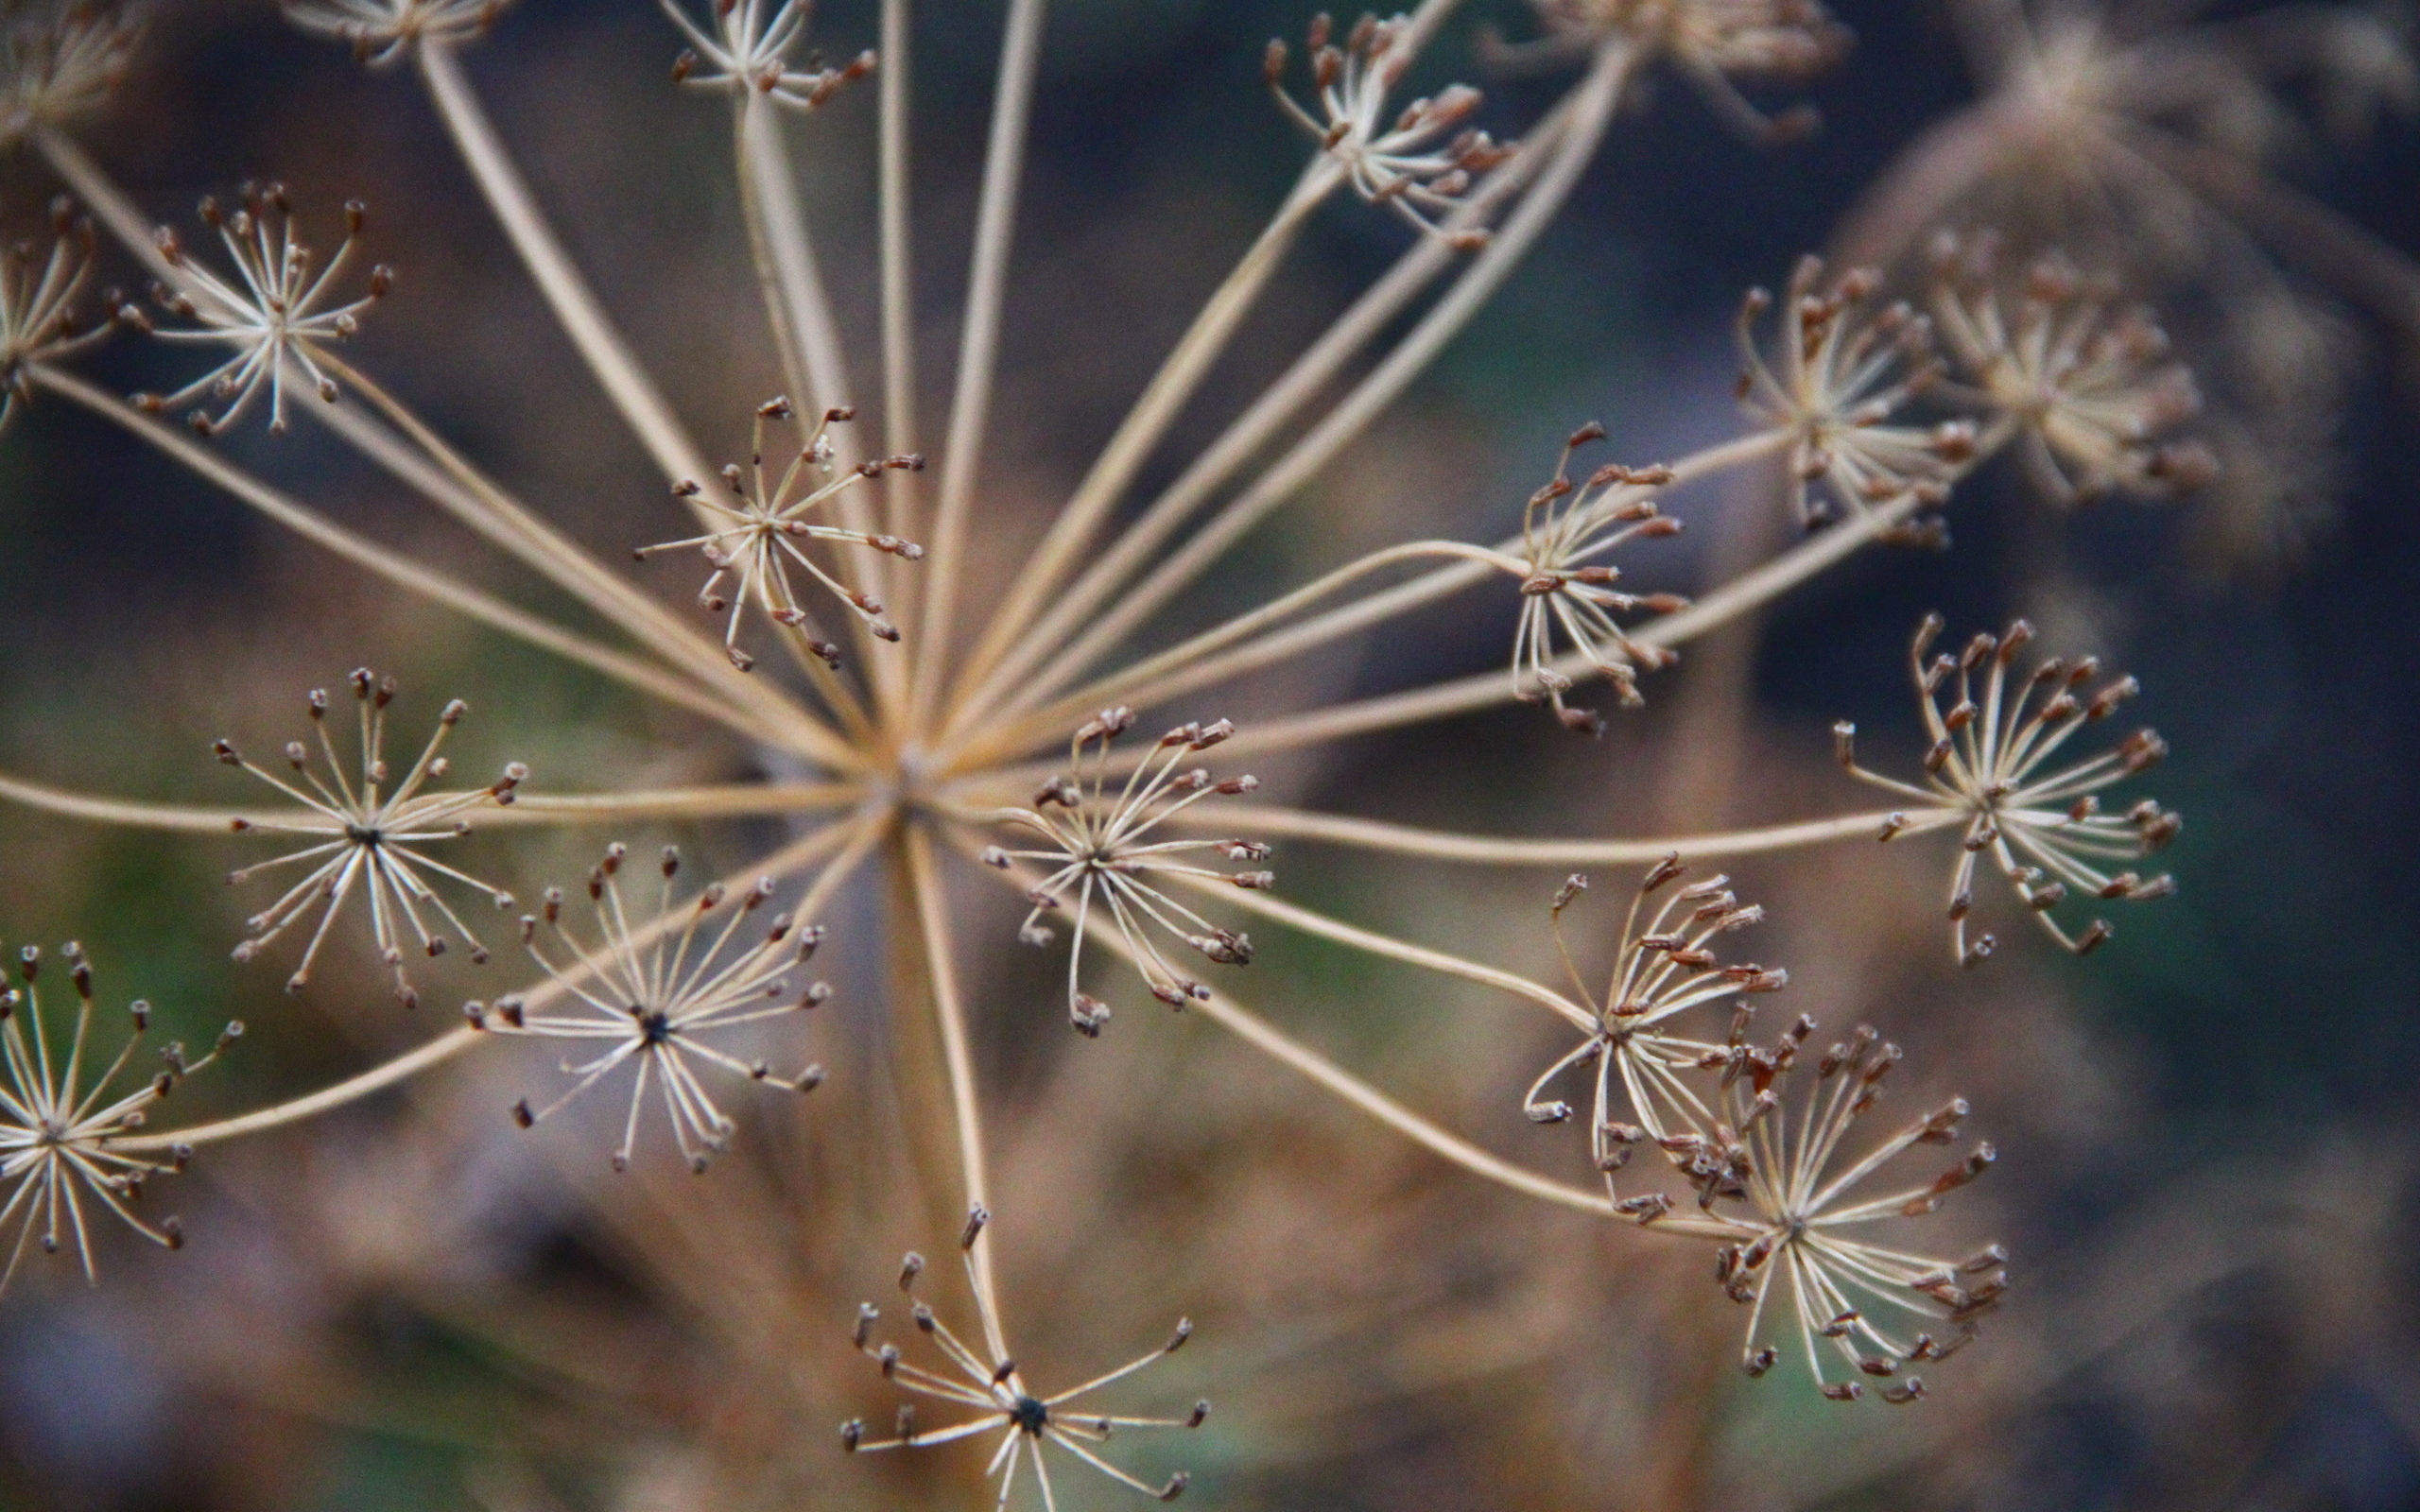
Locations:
(380, 31)
(656, 990)
(1567, 595)
(276, 313)
(747, 50)
(758, 538)
(38, 321)
(1101, 848)
(1767, 1183)
(2092, 387)
(59, 61)
(63, 1135)
(1840, 375)
(1992, 735)
(363, 835)
(1423, 159)
(982, 1378)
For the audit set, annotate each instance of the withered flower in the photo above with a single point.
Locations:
(1838, 375)
(275, 313)
(37, 320)
(756, 539)
(361, 837)
(1665, 967)
(2046, 831)
(749, 49)
(1097, 846)
(1788, 1192)
(57, 1128)
(380, 31)
(988, 1383)
(1713, 43)
(1564, 528)
(2090, 386)
(59, 59)
(1421, 159)
(654, 991)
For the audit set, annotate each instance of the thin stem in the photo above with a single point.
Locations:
(642, 405)
(1593, 107)
(104, 199)
(171, 817)
(857, 834)
(932, 913)
(398, 569)
(979, 348)
(898, 286)
(1170, 388)
(734, 801)
(377, 1078)
(469, 495)
(1296, 917)
(1488, 849)
(1481, 690)
(1428, 257)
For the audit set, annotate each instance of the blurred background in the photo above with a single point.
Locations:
(2207, 1157)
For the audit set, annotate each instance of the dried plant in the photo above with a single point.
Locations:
(917, 735)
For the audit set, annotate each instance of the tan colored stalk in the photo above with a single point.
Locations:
(1483, 690)
(932, 914)
(979, 345)
(899, 490)
(395, 567)
(1595, 100)
(857, 834)
(1179, 377)
(1080, 607)
(469, 495)
(1294, 916)
(1499, 851)
(642, 405)
(174, 817)
(1177, 670)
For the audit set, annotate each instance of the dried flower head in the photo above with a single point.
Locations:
(1420, 160)
(1099, 846)
(59, 59)
(749, 49)
(2090, 386)
(1984, 771)
(380, 31)
(58, 1130)
(275, 316)
(756, 538)
(988, 1383)
(656, 990)
(1666, 965)
(38, 310)
(1563, 589)
(1713, 43)
(1790, 1196)
(1838, 375)
(361, 836)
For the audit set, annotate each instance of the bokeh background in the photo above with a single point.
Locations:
(2208, 1169)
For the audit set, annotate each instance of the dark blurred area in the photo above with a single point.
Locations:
(2208, 1168)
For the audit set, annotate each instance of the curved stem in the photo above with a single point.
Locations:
(392, 565)
(1180, 375)
(1295, 917)
(1483, 690)
(979, 347)
(477, 501)
(932, 915)
(1136, 682)
(1592, 104)
(856, 836)
(642, 405)
(171, 817)
(1488, 849)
